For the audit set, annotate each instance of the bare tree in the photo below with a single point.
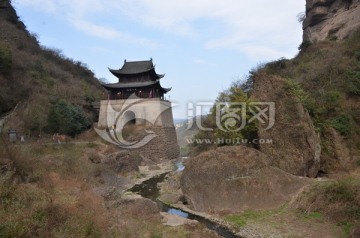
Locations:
(301, 17)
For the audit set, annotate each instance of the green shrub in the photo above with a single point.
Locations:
(89, 98)
(352, 82)
(342, 124)
(332, 101)
(357, 55)
(336, 201)
(314, 215)
(340, 191)
(35, 117)
(304, 45)
(304, 97)
(229, 121)
(332, 38)
(65, 118)
(5, 58)
(275, 67)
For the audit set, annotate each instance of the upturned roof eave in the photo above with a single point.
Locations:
(133, 85)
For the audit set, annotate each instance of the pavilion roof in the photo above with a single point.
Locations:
(136, 67)
(134, 85)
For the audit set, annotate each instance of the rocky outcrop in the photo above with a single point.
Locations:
(236, 178)
(330, 19)
(295, 146)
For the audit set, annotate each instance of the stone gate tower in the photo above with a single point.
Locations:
(138, 99)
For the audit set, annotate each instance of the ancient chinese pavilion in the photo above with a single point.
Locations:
(136, 77)
(152, 113)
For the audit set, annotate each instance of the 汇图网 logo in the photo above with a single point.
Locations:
(229, 117)
(234, 116)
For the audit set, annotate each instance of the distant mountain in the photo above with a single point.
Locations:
(179, 121)
(184, 134)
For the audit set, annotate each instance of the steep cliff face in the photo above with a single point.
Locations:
(330, 19)
(296, 146)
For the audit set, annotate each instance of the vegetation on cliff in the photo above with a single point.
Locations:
(316, 133)
(325, 77)
(237, 92)
(36, 78)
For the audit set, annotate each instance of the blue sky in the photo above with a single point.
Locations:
(201, 46)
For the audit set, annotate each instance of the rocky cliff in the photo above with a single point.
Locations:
(296, 146)
(330, 19)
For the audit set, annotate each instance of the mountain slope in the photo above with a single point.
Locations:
(38, 77)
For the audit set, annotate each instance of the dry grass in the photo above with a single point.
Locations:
(283, 222)
(47, 191)
(50, 197)
(337, 201)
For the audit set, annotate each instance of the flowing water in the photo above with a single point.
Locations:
(149, 189)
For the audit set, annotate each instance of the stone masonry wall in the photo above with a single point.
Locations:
(164, 146)
(155, 115)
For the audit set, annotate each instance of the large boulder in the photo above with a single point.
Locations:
(236, 178)
(295, 146)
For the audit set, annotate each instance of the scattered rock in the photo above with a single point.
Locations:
(154, 167)
(170, 191)
(174, 220)
(170, 198)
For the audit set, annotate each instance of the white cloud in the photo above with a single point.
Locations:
(47, 6)
(109, 33)
(200, 61)
(203, 62)
(261, 25)
(93, 29)
(257, 52)
(77, 12)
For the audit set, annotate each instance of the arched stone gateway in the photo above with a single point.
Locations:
(138, 99)
(129, 118)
